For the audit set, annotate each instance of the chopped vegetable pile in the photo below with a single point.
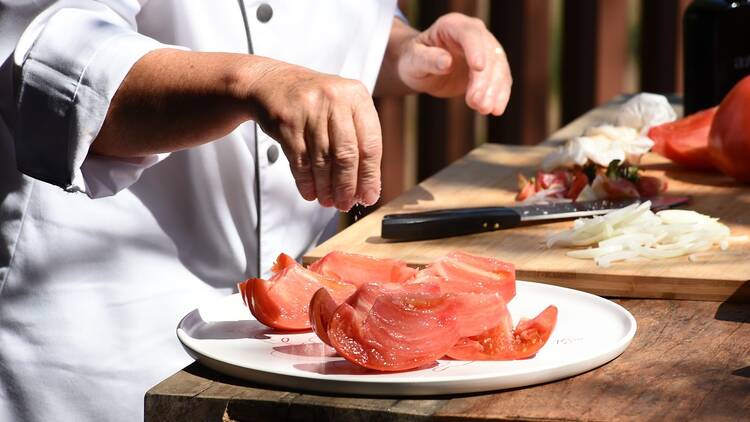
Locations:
(635, 232)
(602, 163)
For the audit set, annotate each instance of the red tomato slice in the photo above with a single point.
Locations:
(548, 180)
(729, 143)
(477, 312)
(685, 141)
(527, 190)
(604, 187)
(360, 269)
(580, 181)
(282, 302)
(401, 331)
(283, 261)
(323, 305)
(460, 272)
(650, 186)
(322, 308)
(504, 343)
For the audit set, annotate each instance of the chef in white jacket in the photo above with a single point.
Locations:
(154, 153)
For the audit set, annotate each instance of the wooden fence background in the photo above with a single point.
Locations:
(566, 56)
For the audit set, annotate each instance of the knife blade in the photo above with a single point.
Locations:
(460, 221)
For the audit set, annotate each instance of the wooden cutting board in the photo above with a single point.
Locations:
(487, 177)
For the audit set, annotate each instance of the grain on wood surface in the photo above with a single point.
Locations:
(688, 361)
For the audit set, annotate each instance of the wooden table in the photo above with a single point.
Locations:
(689, 360)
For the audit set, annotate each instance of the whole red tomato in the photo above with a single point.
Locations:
(729, 140)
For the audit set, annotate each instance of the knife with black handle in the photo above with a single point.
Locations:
(460, 221)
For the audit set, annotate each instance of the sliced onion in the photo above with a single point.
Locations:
(606, 260)
(634, 232)
(590, 253)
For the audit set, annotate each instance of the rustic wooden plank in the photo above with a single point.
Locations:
(594, 54)
(688, 361)
(391, 112)
(661, 45)
(523, 30)
(446, 126)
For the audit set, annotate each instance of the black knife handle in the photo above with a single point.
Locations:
(445, 223)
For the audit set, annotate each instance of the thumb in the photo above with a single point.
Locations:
(426, 60)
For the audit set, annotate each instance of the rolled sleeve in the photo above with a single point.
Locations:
(69, 74)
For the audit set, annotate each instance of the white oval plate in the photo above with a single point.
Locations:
(590, 332)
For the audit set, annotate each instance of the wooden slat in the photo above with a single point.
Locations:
(446, 126)
(523, 30)
(661, 45)
(594, 54)
(391, 112)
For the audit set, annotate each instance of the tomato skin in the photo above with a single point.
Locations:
(460, 272)
(360, 269)
(527, 190)
(505, 343)
(322, 308)
(729, 139)
(400, 331)
(580, 181)
(282, 302)
(614, 188)
(649, 186)
(685, 141)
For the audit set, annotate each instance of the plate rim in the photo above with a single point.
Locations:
(613, 351)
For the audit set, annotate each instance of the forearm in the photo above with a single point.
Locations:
(389, 82)
(174, 99)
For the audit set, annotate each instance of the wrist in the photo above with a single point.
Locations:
(400, 40)
(244, 83)
(389, 80)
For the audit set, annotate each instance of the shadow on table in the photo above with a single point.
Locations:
(228, 330)
(737, 307)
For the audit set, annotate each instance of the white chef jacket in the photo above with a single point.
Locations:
(99, 257)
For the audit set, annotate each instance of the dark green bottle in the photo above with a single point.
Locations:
(716, 50)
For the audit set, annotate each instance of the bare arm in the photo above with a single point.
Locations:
(171, 100)
(326, 125)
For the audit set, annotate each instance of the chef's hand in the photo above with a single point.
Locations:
(327, 125)
(328, 129)
(456, 55)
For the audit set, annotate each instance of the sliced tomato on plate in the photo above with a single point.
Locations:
(359, 269)
(460, 272)
(323, 305)
(685, 141)
(322, 308)
(400, 331)
(282, 301)
(477, 312)
(505, 343)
